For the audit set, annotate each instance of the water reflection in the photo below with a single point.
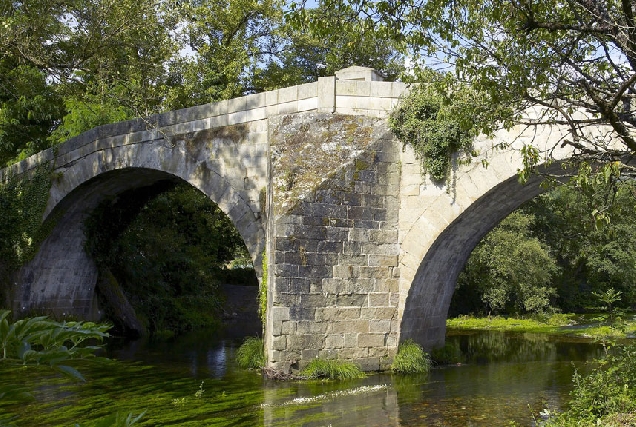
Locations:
(495, 378)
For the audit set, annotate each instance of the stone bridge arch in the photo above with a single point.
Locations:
(362, 251)
(440, 225)
(224, 163)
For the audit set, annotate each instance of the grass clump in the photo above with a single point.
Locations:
(411, 359)
(251, 354)
(332, 369)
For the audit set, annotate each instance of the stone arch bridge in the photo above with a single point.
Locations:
(361, 250)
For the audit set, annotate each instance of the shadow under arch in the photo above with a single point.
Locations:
(60, 280)
(429, 297)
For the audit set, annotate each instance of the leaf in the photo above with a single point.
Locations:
(71, 372)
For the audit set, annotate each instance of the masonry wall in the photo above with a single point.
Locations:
(335, 281)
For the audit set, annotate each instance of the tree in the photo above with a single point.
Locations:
(510, 271)
(303, 56)
(166, 247)
(593, 256)
(573, 60)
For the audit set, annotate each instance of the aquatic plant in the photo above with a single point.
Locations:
(411, 359)
(332, 369)
(251, 354)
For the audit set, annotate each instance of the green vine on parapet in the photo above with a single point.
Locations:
(438, 123)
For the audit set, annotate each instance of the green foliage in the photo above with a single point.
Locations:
(510, 271)
(593, 256)
(304, 55)
(167, 247)
(251, 354)
(22, 205)
(411, 359)
(117, 420)
(499, 323)
(29, 108)
(605, 395)
(39, 340)
(436, 124)
(332, 369)
(262, 292)
(544, 55)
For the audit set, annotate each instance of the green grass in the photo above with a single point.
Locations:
(411, 359)
(331, 369)
(553, 324)
(251, 354)
(498, 323)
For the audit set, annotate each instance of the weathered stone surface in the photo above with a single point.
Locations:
(362, 249)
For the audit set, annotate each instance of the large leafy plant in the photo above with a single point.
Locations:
(43, 341)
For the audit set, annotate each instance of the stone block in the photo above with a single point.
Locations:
(308, 104)
(379, 352)
(349, 327)
(378, 313)
(383, 260)
(307, 327)
(331, 314)
(287, 94)
(379, 299)
(368, 364)
(279, 343)
(279, 313)
(271, 97)
(305, 342)
(352, 259)
(302, 313)
(360, 286)
(287, 107)
(309, 354)
(287, 327)
(327, 94)
(354, 354)
(344, 271)
(381, 90)
(378, 273)
(334, 285)
(334, 341)
(236, 104)
(371, 340)
(255, 100)
(346, 87)
(380, 326)
(351, 300)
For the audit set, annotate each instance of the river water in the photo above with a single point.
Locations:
(492, 379)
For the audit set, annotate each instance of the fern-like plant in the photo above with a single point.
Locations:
(40, 340)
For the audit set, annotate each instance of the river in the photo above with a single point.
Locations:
(492, 379)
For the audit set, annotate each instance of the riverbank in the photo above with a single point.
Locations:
(585, 326)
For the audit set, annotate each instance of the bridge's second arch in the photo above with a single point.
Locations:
(440, 225)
